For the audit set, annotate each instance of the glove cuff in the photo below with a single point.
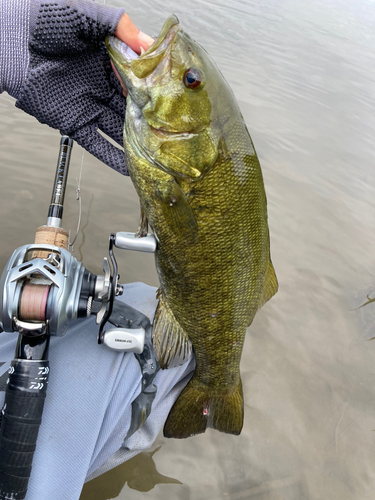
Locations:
(14, 39)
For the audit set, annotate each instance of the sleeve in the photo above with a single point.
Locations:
(14, 39)
(19, 19)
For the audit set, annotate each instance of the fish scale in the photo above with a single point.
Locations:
(201, 187)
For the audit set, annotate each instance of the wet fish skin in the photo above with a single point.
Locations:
(195, 169)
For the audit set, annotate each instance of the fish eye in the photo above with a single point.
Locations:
(192, 78)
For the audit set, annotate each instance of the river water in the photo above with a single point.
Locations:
(303, 74)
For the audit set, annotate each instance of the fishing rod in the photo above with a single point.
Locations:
(43, 290)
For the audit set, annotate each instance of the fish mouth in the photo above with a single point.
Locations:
(138, 72)
(164, 133)
(125, 59)
(119, 52)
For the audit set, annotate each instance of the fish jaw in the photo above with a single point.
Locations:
(149, 61)
(141, 73)
(121, 56)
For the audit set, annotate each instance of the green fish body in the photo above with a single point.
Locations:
(196, 172)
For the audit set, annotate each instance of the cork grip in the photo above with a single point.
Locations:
(49, 235)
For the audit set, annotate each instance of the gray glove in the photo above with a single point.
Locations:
(70, 84)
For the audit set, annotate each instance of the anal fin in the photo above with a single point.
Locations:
(171, 344)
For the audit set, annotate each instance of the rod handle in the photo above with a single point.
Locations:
(20, 421)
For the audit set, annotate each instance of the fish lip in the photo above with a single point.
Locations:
(169, 30)
(120, 52)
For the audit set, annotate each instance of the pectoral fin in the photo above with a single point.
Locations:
(187, 157)
(177, 211)
(143, 223)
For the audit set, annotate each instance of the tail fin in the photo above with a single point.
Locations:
(198, 408)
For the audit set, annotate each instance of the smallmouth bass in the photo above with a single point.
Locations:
(193, 164)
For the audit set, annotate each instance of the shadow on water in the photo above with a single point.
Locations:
(139, 473)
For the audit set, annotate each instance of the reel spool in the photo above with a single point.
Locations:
(33, 302)
(34, 295)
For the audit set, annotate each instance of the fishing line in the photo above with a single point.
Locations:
(79, 199)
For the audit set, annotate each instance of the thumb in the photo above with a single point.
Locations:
(128, 32)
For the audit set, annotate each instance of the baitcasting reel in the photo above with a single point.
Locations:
(43, 288)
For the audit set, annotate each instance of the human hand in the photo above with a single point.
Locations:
(69, 84)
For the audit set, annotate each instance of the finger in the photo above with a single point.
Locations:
(112, 124)
(117, 100)
(131, 35)
(89, 138)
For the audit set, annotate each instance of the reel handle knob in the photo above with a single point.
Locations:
(130, 241)
(125, 339)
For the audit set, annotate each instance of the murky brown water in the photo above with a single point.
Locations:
(303, 73)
